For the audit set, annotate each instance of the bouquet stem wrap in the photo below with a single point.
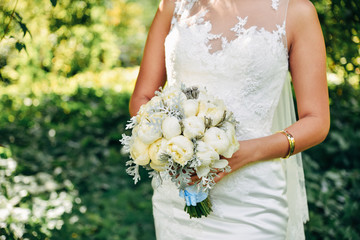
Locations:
(197, 202)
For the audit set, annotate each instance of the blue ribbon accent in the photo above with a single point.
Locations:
(192, 195)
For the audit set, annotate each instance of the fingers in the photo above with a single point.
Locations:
(194, 179)
(219, 176)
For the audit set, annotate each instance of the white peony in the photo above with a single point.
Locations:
(234, 143)
(139, 151)
(205, 153)
(181, 149)
(148, 134)
(221, 163)
(217, 139)
(155, 101)
(155, 151)
(173, 97)
(209, 158)
(203, 171)
(156, 167)
(193, 127)
(171, 127)
(191, 107)
(150, 128)
(171, 91)
(134, 131)
(144, 110)
(213, 109)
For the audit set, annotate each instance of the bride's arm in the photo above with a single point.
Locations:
(152, 72)
(308, 70)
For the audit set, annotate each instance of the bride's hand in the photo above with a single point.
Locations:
(253, 150)
(238, 160)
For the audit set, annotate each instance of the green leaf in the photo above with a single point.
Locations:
(20, 46)
(24, 28)
(53, 2)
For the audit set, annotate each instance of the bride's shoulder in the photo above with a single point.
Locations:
(165, 10)
(301, 11)
(167, 5)
(302, 19)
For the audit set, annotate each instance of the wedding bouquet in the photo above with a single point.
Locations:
(182, 132)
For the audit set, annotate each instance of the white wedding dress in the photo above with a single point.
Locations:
(237, 49)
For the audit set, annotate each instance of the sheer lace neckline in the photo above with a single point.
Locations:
(223, 26)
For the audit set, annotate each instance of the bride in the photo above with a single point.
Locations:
(242, 51)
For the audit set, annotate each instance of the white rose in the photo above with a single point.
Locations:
(171, 127)
(150, 128)
(139, 151)
(181, 149)
(217, 139)
(234, 143)
(193, 126)
(191, 107)
(213, 109)
(156, 149)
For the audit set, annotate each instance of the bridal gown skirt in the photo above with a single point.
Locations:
(248, 204)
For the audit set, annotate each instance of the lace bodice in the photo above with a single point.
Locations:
(242, 63)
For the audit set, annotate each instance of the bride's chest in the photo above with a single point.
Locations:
(194, 48)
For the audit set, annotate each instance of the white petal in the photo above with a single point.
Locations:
(202, 171)
(220, 163)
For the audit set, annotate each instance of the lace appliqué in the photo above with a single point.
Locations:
(240, 26)
(275, 4)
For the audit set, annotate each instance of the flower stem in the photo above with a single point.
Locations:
(201, 209)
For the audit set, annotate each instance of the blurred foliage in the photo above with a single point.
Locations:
(75, 36)
(332, 171)
(75, 137)
(67, 67)
(32, 205)
(340, 21)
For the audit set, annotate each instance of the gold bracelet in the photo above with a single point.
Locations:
(291, 140)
